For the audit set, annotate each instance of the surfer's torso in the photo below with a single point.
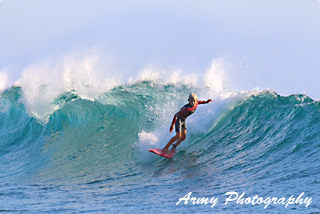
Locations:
(186, 111)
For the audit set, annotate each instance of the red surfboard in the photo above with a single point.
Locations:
(162, 153)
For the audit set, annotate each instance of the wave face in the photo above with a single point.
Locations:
(91, 155)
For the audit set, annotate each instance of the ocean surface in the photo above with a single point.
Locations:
(69, 153)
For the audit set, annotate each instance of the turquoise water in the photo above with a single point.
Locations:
(90, 155)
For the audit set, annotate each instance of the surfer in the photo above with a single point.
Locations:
(179, 121)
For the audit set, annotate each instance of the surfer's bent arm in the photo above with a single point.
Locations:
(175, 117)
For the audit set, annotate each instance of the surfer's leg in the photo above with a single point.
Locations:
(181, 138)
(172, 140)
(179, 130)
(183, 134)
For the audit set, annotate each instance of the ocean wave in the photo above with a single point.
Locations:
(137, 116)
(256, 137)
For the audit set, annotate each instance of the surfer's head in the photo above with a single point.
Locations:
(193, 99)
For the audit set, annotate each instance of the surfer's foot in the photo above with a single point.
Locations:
(165, 150)
(173, 148)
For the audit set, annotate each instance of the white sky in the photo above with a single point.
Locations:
(269, 43)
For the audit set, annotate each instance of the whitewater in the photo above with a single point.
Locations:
(75, 133)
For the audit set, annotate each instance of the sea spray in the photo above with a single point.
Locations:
(3, 81)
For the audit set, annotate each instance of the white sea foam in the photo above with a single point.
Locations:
(91, 73)
(86, 74)
(3, 81)
(215, 78)
(169, 76)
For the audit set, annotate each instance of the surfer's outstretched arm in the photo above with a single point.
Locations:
(205, 102)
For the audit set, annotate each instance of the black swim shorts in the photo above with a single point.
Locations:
(181, 125)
